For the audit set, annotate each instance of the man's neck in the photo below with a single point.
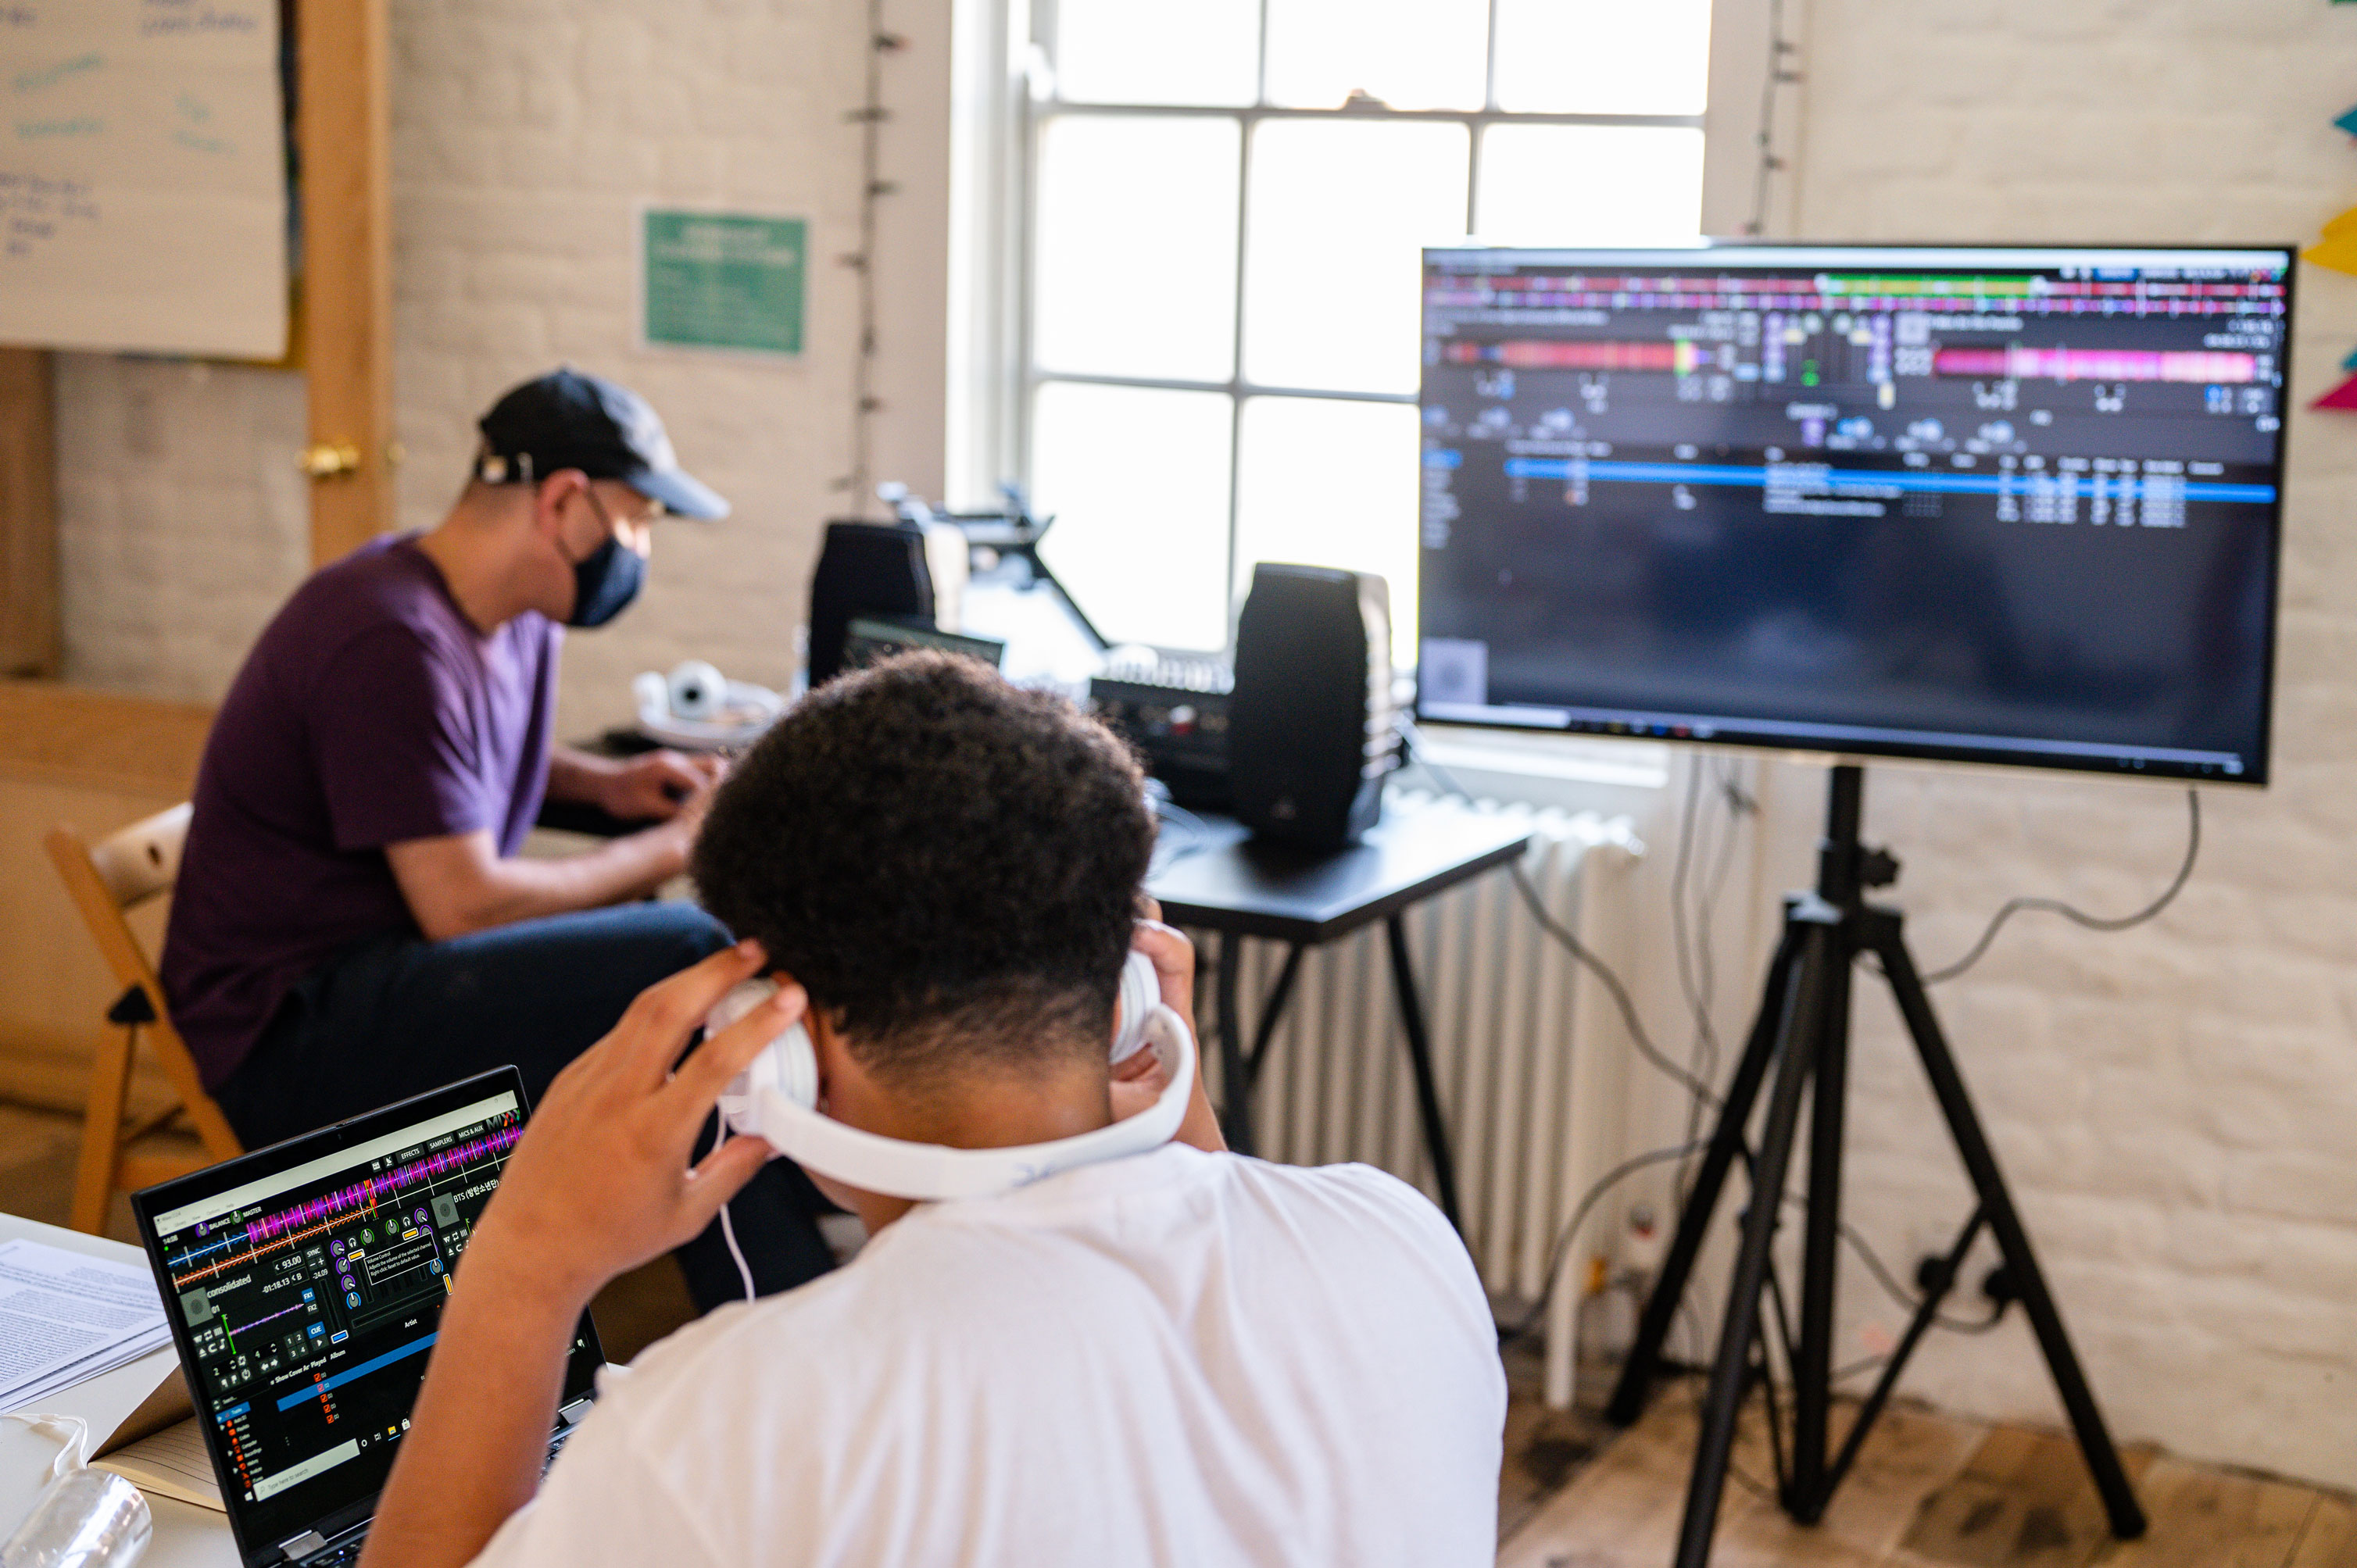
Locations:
(992, 1112)
(478, 566)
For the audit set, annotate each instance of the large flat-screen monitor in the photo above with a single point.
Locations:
(2011, 505)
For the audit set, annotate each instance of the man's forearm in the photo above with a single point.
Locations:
(521, 888)
(481, 1424)
(577, 776)
(461, 885)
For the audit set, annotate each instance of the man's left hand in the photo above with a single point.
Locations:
(653, 785)
(604, 1177)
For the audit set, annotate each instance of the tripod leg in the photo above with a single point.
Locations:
(1643, 1363)
(1724, 1401)
(1813, 1369)
(2127, 1518)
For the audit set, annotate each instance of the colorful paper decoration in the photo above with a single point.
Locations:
(2348, 122)
(2343, 396)
(2338, 249)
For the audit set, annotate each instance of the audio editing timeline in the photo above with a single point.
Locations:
(310, 1303)
(2076, 393)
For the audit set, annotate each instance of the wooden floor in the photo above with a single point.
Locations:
(1930, 1490)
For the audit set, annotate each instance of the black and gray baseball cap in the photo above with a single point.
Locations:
(568, 420)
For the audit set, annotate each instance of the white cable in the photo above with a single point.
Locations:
(744, 1270)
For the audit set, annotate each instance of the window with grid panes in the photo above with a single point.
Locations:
(1228, 201)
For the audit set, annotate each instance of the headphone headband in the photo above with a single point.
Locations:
(773, 1107)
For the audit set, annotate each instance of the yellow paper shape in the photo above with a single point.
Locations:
(2344, 224)
(2337, 251)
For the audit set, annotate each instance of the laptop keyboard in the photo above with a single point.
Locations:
(345, 1553)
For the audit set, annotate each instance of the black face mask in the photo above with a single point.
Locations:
(605, 580)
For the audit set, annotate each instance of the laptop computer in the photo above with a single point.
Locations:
(304, 1283)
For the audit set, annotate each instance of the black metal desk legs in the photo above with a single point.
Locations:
(1419, 1056)
(1239, 1069)
(1235, 1080)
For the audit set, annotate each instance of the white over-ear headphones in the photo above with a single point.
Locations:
(775, 1099)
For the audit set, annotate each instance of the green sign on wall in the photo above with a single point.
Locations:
(725, 280)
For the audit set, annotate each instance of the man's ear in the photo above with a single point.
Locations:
(549, 496)
(826, 1045)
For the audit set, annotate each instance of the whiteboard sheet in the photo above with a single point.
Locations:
(142, 176)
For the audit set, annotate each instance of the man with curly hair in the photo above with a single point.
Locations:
(1182, 1356)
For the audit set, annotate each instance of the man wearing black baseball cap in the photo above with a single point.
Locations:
(353, 922)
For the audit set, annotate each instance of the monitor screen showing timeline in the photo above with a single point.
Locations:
(2004, 505)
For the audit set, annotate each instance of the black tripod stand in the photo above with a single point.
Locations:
(1802, 1030)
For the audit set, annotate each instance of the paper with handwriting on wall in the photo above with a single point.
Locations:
(142, 176)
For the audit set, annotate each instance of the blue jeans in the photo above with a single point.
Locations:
(399, 1015)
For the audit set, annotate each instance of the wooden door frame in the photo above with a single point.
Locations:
(343, 131)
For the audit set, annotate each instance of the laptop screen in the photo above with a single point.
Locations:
(304, 1283)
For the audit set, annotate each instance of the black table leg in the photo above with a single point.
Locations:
(1271, 1013)
(1419, 1054)
(1235, 1078)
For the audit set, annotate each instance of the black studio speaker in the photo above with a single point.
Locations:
(865, 569)
(1310, 724)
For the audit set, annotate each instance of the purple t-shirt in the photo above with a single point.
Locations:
(372, 712)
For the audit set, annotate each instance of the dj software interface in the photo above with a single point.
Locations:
(312, 1296)
(2015, 501)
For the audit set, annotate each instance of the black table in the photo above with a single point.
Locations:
(1241, 887)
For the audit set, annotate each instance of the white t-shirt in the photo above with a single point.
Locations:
(1177, 1357)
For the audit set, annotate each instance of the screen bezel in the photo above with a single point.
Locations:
(1764, 254)
(333, 1517)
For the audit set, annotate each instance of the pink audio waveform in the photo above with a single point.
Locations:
(1537, 354)
(2095, 365)
(372, 1188)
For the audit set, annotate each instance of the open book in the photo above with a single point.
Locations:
(169, 1463)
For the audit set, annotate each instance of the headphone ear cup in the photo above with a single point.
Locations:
(1141, 993)
(796, 1061)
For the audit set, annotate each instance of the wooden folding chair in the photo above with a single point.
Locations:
(106, 880)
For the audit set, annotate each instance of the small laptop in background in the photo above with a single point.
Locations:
(871, 639)
(304, 1285)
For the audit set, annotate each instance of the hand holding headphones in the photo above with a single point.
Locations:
(607, 1174)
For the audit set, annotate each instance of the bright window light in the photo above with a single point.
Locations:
(1225, 204)
(1137, 207)
(1339, 213)
(1329, 483)
(1136, 478)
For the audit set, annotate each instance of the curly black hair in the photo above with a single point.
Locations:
(949, 864)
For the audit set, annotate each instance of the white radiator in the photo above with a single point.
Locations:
(1525, 1050)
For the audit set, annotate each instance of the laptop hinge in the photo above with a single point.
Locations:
(303, 1545)
(571, 1414)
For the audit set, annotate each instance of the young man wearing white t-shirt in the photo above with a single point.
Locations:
(1182, 1356)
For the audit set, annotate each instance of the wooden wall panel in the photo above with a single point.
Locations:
(31, 635)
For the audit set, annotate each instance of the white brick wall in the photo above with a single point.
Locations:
(526, 135)
(182, 522)
(2176, 1106)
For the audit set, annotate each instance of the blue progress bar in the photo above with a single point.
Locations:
(1834, 481)
(363, 1370)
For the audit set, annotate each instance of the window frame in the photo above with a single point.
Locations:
(1004, 80)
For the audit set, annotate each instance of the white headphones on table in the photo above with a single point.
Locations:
(776, 1100)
